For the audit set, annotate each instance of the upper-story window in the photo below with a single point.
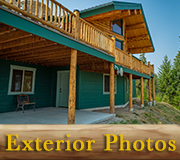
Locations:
(119, 44)
(117, 26)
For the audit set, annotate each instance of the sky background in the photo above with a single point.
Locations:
(163, 18)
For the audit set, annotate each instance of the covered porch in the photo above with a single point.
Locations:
(52, 115)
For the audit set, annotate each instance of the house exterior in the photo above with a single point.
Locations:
(77, 60)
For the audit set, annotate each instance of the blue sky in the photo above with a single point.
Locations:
(163, 18)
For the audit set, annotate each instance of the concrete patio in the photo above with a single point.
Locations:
(52, 115)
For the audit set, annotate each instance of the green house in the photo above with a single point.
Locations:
(79, 60)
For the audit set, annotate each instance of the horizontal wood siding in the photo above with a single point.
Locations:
(45, 85)
(91, 91)
(42, 86)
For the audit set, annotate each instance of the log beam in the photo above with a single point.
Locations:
(135, 26)
(142, 93)
(72, 87)
(112, 110)
(138, 38)
(130, 93)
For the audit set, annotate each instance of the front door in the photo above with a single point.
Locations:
(63, 89)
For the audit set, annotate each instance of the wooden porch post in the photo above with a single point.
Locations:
(130, 93)
(153, 88)
(72, 87)
(142, 93)
(149, 84)
(112, 110)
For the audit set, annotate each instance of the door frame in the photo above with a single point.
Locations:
(58, 85)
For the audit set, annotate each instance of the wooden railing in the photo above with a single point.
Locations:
(95, 37)
(49, 12)
(54, 15)
(127, 60)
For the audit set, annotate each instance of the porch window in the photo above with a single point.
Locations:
(117, 26)
(106, 84)
(21, 80)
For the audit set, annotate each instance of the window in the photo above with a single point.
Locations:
(117, 26)
(119, 44)
(21, 80)
(106, 84)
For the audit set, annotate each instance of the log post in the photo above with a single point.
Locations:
(149, 65)
(112, 110)
(142, 93)
(77, 25)
(130, 63)
(113, 50)
(72, 87)
(153, 88)
(149, 84)
(141, 66)
(130, 93)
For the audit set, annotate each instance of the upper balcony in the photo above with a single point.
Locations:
(54, 15)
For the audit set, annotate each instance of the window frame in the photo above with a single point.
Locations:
(22, 68)
(115, 79)
(121, 44)
(121, 25)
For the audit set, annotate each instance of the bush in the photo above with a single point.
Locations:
(158, 98)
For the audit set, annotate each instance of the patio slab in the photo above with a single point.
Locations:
(52, 115)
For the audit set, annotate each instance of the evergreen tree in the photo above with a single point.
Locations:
(176, 81)
(143, 58)
(165, 80)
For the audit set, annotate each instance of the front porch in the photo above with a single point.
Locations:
(52, 115)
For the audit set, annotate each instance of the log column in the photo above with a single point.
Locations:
(149, 84)
(130, 93)
(153, 88)
(142, 93)
(112, 110)
(72, 87)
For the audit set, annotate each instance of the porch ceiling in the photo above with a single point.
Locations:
(18, 45)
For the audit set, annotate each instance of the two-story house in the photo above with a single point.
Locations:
(79, 60)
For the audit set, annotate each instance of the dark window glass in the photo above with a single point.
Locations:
(119, 44)
(28, 80)
(106, 83)
(16, 80)
(117, 26)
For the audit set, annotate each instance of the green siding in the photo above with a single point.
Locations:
(45, 85)
(42, 90)
(91, 91)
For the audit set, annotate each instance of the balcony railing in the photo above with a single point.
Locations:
(127, 60)
(54, 15)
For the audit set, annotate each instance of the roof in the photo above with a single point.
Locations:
(115, 5)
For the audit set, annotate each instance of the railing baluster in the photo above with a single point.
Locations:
(63, 19)
(69, 23)
(25, 5)
(66, 21)
(37, 7)
(18, 3)
(42, 8)
(47, 4)
(11, 2)
(59, 18)
(55, 15)
(51, 11)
